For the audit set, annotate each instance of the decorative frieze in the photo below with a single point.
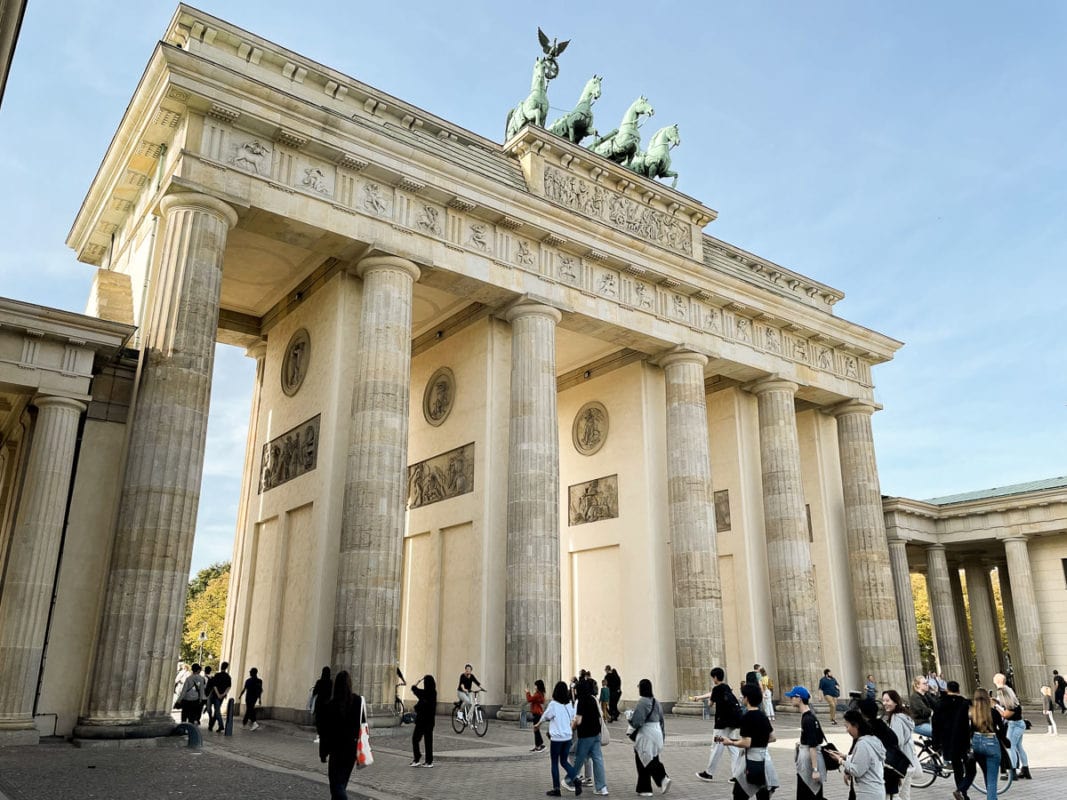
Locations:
(290, 455)
(441, 477)
(593, 500)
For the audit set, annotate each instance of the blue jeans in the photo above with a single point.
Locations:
(1016, 729)
(215, 712)
(558, 752)
(987, 756)
(924, 729)
(589, 747)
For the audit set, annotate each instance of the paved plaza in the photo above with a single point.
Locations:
(280, 761)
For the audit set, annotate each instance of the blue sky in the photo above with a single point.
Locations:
(912, 155)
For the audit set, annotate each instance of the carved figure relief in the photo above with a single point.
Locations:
(250, 157)
(524, 255)
(851, 368)
(295, 362)
(744, 332)
(826, 358)
(593, 500)
(567, 269)
(643, 295)
(429, 220)
(373, 199)
(679, 306)
(774, 341)
(439, 396)
(607, 285)
(800, 349)
(479, 237)
(711, 320)
(290, 455)
(315, 179)
(590, 428)
(722, 510)
(441, 477)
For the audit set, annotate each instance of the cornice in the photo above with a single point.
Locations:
(103, 336)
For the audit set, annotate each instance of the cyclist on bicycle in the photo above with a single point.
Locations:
(465, 690)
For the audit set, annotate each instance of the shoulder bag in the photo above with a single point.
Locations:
(364, 756)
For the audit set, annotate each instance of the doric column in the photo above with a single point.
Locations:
(532, 605)
(982, 622)
(946, 632)
(698, 625)
(1031, 668)
(959, 605)
(794, 608)
(874, 601)
(909, 629)
(31, 568)
(131, 686)
(367, 618)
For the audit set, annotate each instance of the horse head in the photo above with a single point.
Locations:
(540, 73)
(592, 89)
(641, 106)
(671, 133)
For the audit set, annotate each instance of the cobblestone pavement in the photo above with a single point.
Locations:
(281, 761)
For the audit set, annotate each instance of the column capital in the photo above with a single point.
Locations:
(528, 309)
(200, 202)
(679, 356)
(386, 262)
(256, 350)
(51, 400)
(772, 383)
(1016, 537)
(854, 406)
(936, 547)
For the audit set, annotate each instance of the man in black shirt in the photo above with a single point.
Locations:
(811, 769)
(217, 691)
(952, 733)
(465, 690)
(727, 719)
(756, 733)
(614, 684)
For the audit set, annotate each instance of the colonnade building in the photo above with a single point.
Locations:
(513, 406)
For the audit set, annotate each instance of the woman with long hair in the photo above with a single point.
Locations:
(425, 711)
(647, 724)
(1012, 710)
(1049, 709)
(865, 763)
(537, 708)
(559, 715)
(338, 727)
(900, 722)
(985, 721)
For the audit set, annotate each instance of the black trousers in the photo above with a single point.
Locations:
(646, 776)
(539, 740)
(191, 711)
(424, 731)
(339, 771)
(250, 711)
(613, 704)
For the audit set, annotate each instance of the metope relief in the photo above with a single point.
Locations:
(315, 180)
(428, 219)
(524, 254)
(439, 396)
(593, 500)
(607, 284)
(290, 455)
(590, 428)
(621, 212)
(743, 330)
(568, 268)
(826, 358)
(643, 295)
(773, 340)
(722, 510)
(375, 199)
(441, 477)
(252, 156)
(478, 234)
(295, 362)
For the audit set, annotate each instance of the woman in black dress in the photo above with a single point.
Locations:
(425, 711)
(338, 727)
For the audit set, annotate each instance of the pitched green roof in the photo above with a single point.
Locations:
(1000, 491)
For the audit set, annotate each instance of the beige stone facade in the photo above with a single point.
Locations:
(513, 407)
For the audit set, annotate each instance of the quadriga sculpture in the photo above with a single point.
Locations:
(578, 124)
(621, 144)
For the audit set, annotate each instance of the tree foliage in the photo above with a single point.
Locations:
(923, 621)
(205, 610)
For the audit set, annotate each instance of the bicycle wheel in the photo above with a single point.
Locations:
(481, 724)
(458, 722)
(930, 762)
(398, 707)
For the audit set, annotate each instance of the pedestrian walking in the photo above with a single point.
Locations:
(320, 696)
(614, 681)
(1049, 709)
(605, 700)
(254, 689)
(728, 713)
(1060, 687)
(192, 695)
(558, 715)
(338, 729)
(537, 708)
(831, 691)
(1007, 703)
(903, 727)
(206, 704)
(647, 731)
(810, 762)
(425, 712)
(985, 746)
(952, 734)
(586, 724)
(219, 688)
(754, 775)
(865, 762)
(767, 688)
(870, 688)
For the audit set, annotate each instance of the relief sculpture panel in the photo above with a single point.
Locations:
(290, 455)
(593, 500)
(441, 477)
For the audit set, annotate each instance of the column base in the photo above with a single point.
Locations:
(688, 708)
(13, 738)
(511, 712)
(153, 728)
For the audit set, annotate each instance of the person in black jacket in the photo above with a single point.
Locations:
(425, 711)
(868, 707)
(952, 733)
(614, 682)
(338, 727)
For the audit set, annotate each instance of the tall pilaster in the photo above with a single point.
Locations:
(909, 629)
(367, 618)
(874, 601)
(982, 622)
(532, 607)
(131, 685)
(1031, 668)
(31, 569)
(795, 611)
(946, 631)
(698, 624)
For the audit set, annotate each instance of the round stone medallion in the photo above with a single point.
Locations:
(439, 397)
(296, 360)
(590, 428)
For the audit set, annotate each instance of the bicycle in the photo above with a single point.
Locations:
(399, 709)
(475, 716)
(933, 766)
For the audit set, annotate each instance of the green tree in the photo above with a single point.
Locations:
(923, 621)
(205, 611)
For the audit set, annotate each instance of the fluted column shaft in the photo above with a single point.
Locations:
(144, 604)
(1008, 601)
(1031, 668)
(874, 601)
(34, 553)
(959, 605)
(367, 619)
(532, 606)
(698, 624)
(794, 611)
(982, 622)
(946, 632)
(905, 604)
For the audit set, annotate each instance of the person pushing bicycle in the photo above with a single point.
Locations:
(465, 690)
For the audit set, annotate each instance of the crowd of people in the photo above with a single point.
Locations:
(197, 689)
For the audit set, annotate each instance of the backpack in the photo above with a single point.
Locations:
(732, 711)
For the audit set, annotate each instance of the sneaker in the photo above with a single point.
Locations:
(567, 785)
(644, 794)
(704, 776)
(665, 786)
(415, 763)
(602, 792)
(427, 766)
(577, 789)
(552, 793)
(539, 749)
(255, 726)
(587, 781)
(459, 716)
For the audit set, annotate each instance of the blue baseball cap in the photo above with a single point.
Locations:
(799, 691)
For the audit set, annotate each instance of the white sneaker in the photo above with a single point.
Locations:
(415, 764)
(255, 726)
(602, 792)
(459, 715)
(316, 740)
(567, 785)
(665, 786)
